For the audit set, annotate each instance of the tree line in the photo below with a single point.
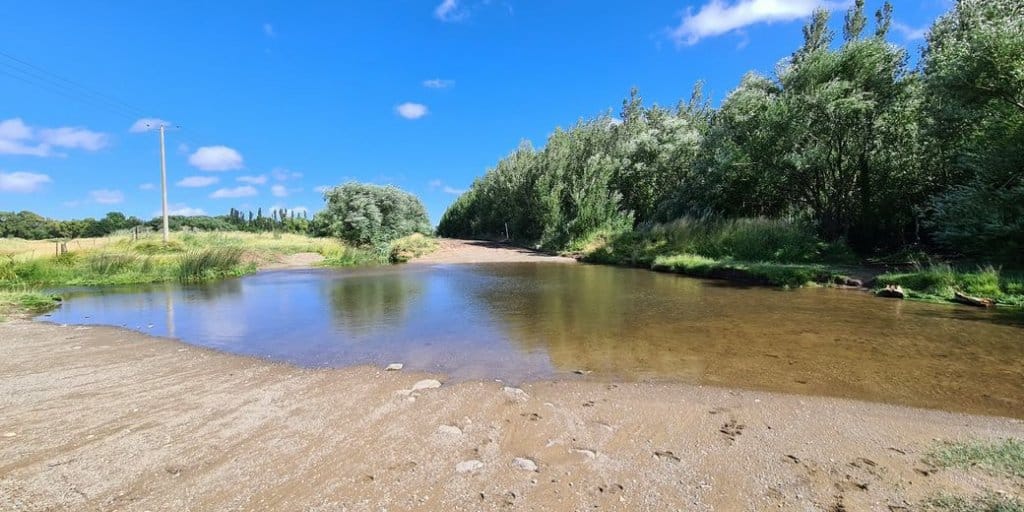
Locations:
(32, 226)
(844, 134)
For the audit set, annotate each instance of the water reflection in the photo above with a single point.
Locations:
(522, 321)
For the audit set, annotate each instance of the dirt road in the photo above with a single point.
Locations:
(108, 419)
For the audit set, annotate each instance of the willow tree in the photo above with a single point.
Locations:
(974, 84)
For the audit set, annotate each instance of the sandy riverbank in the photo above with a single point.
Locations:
(108, 419)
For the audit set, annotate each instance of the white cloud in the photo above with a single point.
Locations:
(105, 196)
(72, 138)
(436, 184)
(216, 158)
(268, 30)
(410, 110)
(718, 17)
(437, 83)
(181, 209)
(22, 182)
(279, 190)
(448, 10)
(198, 181)
(183, 148)
(910, 33)
(230, 193)
(297, 210)
(253, 180)
(282, 174)
(146, 124)
(147, 186)
(18, 138)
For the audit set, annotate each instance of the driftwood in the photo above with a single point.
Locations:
(973, 301)
(892, 291)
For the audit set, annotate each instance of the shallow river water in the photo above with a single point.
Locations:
(532, 321)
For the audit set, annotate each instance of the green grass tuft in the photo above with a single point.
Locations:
(989, 502)
(19, 302)
(1003, 457)
(211, 263)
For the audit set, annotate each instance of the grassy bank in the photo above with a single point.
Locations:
(939, 283)
(19, 302)
(778, 252)
(27, 267)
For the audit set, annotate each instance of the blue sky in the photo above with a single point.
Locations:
(275, 100)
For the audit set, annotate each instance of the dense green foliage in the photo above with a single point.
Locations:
(370, 215)
(940, 282)
(845, 137)
(31, 226)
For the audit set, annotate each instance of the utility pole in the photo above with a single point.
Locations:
(163, 183)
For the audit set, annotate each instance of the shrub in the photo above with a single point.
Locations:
(365, 215)
(412, 246)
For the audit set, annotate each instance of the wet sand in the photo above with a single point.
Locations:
(97, 418)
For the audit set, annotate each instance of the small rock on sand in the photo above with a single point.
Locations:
(449, 430)
(394, 367)
(426, 384)
(10, 434)
(515, 394)
(468, 466)
(524, 464)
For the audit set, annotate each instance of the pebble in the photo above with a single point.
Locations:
(449, 430)
(525, 464)
(590, 454)
(10, 434)
(468, 466)
(515, 394)
(426, 384)
(394, 367)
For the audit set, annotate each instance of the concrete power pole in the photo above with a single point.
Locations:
(163, 183)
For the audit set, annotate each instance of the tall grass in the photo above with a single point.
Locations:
(410, 247)
(210, 263)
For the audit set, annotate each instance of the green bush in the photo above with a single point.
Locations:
(370, 215)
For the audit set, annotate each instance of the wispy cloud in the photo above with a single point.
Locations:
(268, 30)
(322, 188)
(106, 196)
(216, 158)
(147, 123)
(448, 10)
(411, 110)
(437, 184)
(910, 33)
(235, 192)
(22, 182)
(198, 181)
(147, 186)
(279, 190)
(182, 210)
(438, 83)
(253, 180)
(719, 17)
(282, 174)
(18, 138)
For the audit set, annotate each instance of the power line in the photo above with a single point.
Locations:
(66, 84)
